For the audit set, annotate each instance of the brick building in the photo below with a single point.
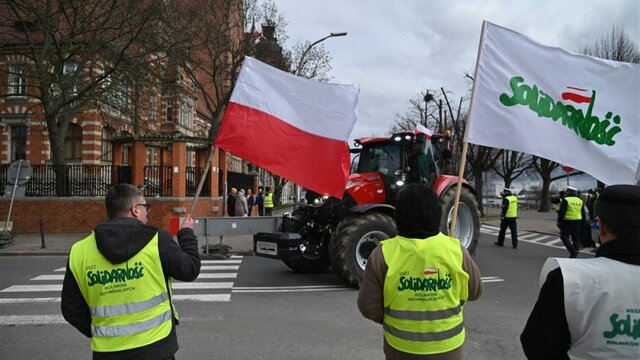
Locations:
(154, 136)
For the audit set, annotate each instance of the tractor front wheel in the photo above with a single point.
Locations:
(354, 240)
(468, 220)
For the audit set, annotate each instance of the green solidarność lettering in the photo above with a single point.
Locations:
(587, 126)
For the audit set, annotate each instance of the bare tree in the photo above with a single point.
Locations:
(544, 167)
(481, 159)
(419, 111)
(511, 165)
(74, 64)
(615, 45)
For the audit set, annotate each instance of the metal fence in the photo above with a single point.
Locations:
(71, 180)
(193, 179)
(157, 180)
(95, 180)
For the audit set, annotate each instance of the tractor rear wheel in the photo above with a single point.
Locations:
(468, 220)
(354, 240)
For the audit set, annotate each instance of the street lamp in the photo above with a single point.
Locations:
(304, 53)
(296, 188)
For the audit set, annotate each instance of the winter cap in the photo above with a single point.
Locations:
(509, 190)
(619, 205)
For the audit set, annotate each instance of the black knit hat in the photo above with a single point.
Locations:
(619, 205)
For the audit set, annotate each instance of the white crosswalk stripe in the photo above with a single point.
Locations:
(532, 237)
(214, 284)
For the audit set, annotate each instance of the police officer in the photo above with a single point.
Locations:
(508, 217)
(416, 283)
(570, 218)
(268, 202)
(590, 308)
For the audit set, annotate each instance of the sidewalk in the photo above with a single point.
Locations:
(60, 244)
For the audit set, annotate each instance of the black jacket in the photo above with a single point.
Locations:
(118, 240)
(546, 335)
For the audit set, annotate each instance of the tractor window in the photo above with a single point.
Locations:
(429, 161)
(384, 159)
(354, 164)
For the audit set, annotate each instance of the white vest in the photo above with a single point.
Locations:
(602, 303)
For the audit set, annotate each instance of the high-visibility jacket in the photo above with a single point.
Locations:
(603, 312)
(512, 210)
(129, 302)
(425, 289)
(574, 208)
(268, 200)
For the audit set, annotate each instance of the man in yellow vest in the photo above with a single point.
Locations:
(570, 218)
(416, 284)
(268, 202)
(590, 308)
(117, 286)
(508, 217)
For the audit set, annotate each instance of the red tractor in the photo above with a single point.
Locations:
(342, 233)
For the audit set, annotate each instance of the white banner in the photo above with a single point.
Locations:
(576, 110)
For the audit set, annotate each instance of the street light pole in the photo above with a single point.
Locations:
(296, 188)
(304, 53)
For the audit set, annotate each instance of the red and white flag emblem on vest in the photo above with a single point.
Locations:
(293, 127)
(430, 271)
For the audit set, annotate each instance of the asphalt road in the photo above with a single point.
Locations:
(254, 308)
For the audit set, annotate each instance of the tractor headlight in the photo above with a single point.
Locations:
(320, 200)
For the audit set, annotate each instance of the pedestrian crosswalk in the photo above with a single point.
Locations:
(214, 284)
(532, 237)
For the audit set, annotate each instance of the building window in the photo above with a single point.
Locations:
(169, 115)
(73, 142)
(18, 142)
(125, 154)
(73, 76)
(153, 108)
(151, 156)
(116, 92)
(186, 113)
(107, 145)
(17, 80)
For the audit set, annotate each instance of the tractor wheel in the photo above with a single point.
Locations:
(353, 241)
(468, 221)
(303, 265)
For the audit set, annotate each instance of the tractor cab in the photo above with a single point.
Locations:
(400, 159)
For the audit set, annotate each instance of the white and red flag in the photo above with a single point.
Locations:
(574, 109)
(422, 129)
(293, 127)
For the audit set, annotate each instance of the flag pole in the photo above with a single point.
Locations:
(463, 163)
(463, 160)
(202, 178)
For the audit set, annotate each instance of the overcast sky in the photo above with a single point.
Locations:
(395, 49)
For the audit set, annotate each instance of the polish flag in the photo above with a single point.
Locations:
(422, 129)
(293, 127)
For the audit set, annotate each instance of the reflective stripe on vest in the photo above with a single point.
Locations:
(574, 208)
(512, 210)
(268, 200)
(425, 289)
(129, 302)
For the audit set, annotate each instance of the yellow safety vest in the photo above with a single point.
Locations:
(425, 289)
(268, 200)
(574, 208)
(129, 302)
(512, 210)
